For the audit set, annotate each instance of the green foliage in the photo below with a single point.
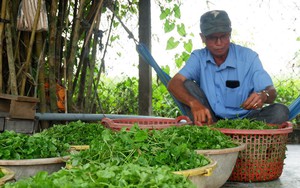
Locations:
(287, 90)
(197, 137)
(162, 103)
(140, 146)
(73, 132)
(242, 124)
(106, 175)
(119, 98)
(21, 146)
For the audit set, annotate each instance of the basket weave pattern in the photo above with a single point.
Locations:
(263, 158)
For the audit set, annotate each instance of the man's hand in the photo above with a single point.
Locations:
(254, 101)
(200, 113)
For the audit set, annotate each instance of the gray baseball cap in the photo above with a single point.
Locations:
(215, 21)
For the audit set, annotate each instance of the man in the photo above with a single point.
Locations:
(225, 80)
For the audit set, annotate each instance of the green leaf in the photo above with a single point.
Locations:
(141, 136)
(177, 12)
(181, 30)
(188, 46)
(171, 43)
(168, 26)
(180, 59)
(164, 13)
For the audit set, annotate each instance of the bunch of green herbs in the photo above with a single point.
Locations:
(242, 124)
(15, 146)
(74, 133)
(106, 175)
(140, 146)
(198, 137)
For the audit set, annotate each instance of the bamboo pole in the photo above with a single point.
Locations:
(41, 78)
(89, 103)
(10, 56)
(29, 53)
(65, 63)
(3, 10)
(73, 50)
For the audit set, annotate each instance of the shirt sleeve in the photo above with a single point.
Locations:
(192, 67)
(261, 78)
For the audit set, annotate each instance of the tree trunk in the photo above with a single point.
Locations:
(51, 54)
(145, 71)
(89, 92)
(40, 51)
(73, 50)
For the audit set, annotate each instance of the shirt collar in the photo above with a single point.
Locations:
(230, 61)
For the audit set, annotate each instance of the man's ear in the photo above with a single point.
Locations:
(202, 38)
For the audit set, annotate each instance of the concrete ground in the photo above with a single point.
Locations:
(290, 177)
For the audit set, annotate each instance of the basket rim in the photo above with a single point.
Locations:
(285, 128)
(240, 147)
(26, 162)
(157, 122)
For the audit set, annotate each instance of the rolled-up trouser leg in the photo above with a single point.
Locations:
(198, 93)
(275, 113)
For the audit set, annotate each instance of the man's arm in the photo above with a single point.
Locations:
(199, 111)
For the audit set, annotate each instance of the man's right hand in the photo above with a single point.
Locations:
(200, 113)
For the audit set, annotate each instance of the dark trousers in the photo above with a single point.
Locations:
(274, 113)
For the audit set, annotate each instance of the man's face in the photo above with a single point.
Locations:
(217, 43)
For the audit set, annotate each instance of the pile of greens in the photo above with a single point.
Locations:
(15, 146)
(242, 124)
(74, 133)
(106, 175)
(197, 137)
(140, 146)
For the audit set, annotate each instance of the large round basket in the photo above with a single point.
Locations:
(226, 159)
(199, 175)
(29, 167)
(263, 158)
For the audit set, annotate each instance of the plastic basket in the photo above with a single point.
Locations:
(145, 123)
(199, 176)
(263, 158)
(226, 159)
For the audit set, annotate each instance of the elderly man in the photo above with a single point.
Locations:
(225, 80)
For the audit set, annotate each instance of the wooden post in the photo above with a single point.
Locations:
(145, 70)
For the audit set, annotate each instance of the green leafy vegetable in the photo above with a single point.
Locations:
(21, 146)
(107, 175)
(242, 124)
(197, 137)
(140, 146)
(74, 133)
